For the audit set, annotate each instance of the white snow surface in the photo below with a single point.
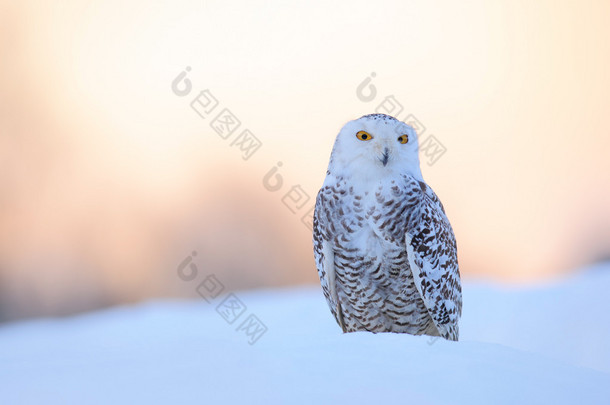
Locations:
(546, 344)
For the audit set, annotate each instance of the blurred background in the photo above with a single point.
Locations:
(112, 172)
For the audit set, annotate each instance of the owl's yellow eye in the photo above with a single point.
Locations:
(364, 136)
(403, 139)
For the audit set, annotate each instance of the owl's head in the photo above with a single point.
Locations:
(375, 146)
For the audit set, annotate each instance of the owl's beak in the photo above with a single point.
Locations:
(385, 157)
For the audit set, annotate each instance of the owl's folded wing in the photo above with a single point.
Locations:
(325, 258)
(432, 254)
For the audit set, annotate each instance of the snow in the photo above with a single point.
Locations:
(547, 344)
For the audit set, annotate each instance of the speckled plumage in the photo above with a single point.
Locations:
(385, 251)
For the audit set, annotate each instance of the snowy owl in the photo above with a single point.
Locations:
(385, 251)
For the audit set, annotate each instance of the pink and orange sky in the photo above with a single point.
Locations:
(109, 179)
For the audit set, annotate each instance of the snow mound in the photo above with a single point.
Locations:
(539, 345)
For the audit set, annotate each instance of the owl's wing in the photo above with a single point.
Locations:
(324, 254)
(432, 253)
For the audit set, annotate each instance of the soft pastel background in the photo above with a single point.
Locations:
(108, 180)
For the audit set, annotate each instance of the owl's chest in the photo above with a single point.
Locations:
(373, 221)
(370, 243)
